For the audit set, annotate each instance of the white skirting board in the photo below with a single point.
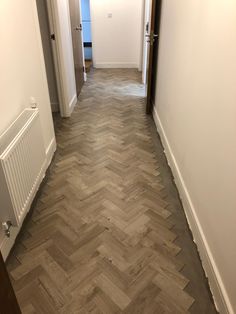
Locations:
(54, 106)
(220, 296)
(72, 104)
(67, 110)
(6, 243)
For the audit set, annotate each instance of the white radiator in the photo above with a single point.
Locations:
(22, 157)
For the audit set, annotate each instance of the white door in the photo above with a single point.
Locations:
(60, 28)
(146, 31)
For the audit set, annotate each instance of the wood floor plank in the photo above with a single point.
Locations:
(113, 291)
(101, 237)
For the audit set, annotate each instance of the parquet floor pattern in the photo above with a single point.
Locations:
(100, 238)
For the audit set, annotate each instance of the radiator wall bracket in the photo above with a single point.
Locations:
(6, 228)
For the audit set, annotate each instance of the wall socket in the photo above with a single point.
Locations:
(109, 15)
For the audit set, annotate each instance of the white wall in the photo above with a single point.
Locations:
(22, 70)
(116, 40)
(196, 115)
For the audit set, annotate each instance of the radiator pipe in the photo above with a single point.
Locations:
(6, 228)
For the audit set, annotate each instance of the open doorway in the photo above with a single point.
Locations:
(77, 42)
(152, 18)
(102, 34)
(87, 34)
(56, 36)
(48, 54)
(146, 32)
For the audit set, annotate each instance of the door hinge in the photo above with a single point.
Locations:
(83, 69)
(52, 36)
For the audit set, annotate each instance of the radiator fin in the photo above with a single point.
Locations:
(22, 158)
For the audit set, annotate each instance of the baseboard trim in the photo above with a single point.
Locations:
(72, 104)
(50, 150)
(217, 287)
(55, 106)
(6, 244)
(68, 111)
(115, 65)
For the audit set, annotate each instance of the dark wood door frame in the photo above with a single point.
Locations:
(8, 301)
(153, 54)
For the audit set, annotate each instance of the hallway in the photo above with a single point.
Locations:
(107, 233)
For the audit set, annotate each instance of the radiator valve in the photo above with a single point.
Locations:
(6, 228)
(33, 103)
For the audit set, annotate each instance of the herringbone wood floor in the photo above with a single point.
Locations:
(101, 236)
